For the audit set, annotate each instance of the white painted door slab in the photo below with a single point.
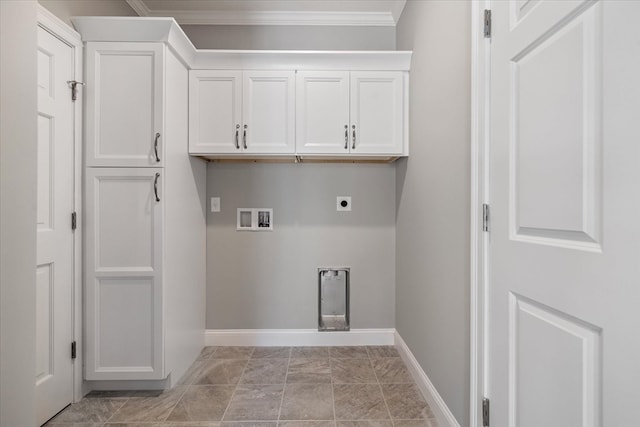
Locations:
(215, 111)
(564, 275)
(124, 273)
(124, 125)
(55, 203)
(268, 118)
(322, 112)
(376, 112)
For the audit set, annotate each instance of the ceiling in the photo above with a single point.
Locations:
(274, 12)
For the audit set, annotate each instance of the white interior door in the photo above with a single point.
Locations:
(322, 112)
(564, 269)
(215, 112)
(55, 204)
(123, 270)
(268, 112)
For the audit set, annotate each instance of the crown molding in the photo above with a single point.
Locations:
(274, 17)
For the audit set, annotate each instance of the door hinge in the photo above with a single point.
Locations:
(487, 23)
(74, 220)
(73, 350)
(74, 88)
(485, 217)
(485, 412)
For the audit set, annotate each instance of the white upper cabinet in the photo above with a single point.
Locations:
(377, 112)
(235, 112)
(124, 121)
(322, 107)
(357, 113)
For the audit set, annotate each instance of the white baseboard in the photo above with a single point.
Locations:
(297, 337)
(438, 406)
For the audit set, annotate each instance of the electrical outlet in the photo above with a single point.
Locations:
(215, 204)
(343, 204)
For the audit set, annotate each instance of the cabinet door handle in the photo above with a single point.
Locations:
(346, 137)
(244, 137)
(353, 146)
(155, 186)
(237, 133)
(155, 146)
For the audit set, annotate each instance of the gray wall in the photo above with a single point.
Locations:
(65, 9)
(432, 255)
(269, 279)
(292, 37)
(18, 112)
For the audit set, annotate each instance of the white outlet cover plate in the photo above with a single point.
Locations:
(339, 206)
(215, 204)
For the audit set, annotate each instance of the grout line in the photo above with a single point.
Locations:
(116, 411)
(333, 396)
(384, 399)
(236, 386)
(284, 386)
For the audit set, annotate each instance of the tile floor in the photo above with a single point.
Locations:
(269, 387)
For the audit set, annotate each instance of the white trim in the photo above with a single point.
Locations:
(69, 36)
(436, 402)
(297, 337)
(480, 83)
(275, 17)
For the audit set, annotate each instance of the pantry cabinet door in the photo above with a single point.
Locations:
(124, 89)
(215, 108)
(322, 112)
(377, 104)
(123, 276)
(268, 112)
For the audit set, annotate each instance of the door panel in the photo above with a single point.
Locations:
(55, 245)
(376, 112)
(564, 243)
(269, 111)
(124, 104)
(322, 112)
(215, 111)
(124, 273)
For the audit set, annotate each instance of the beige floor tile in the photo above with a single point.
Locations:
(350, 371)
(309, 352)
(405, 402)
(349, 352)
(306, 424)
(49, 424)
(365, 423)
(416, 423)
(255, 403)
(359, 402)
(382, 351)
(149, 409)
(202, 403)
(271, 352)
(95, 410)
(248, 424)
(265, 371)
(194, 371)
(307, 402)
(309, 371)
(391, 370)
(207, 352)
(233, 353)
(220, 371)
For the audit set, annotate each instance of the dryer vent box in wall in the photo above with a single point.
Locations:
(333, 299)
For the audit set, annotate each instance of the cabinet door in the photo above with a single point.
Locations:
(215, 108)
(377, 111)
(268, 112)
(322, 112)
(125, 104)
(123, 274)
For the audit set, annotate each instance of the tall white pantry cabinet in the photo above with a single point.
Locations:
(145, 219)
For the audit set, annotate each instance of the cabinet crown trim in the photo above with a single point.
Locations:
(167, 30)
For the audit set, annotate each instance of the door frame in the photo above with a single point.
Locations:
(479, 239)
(59, 29)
